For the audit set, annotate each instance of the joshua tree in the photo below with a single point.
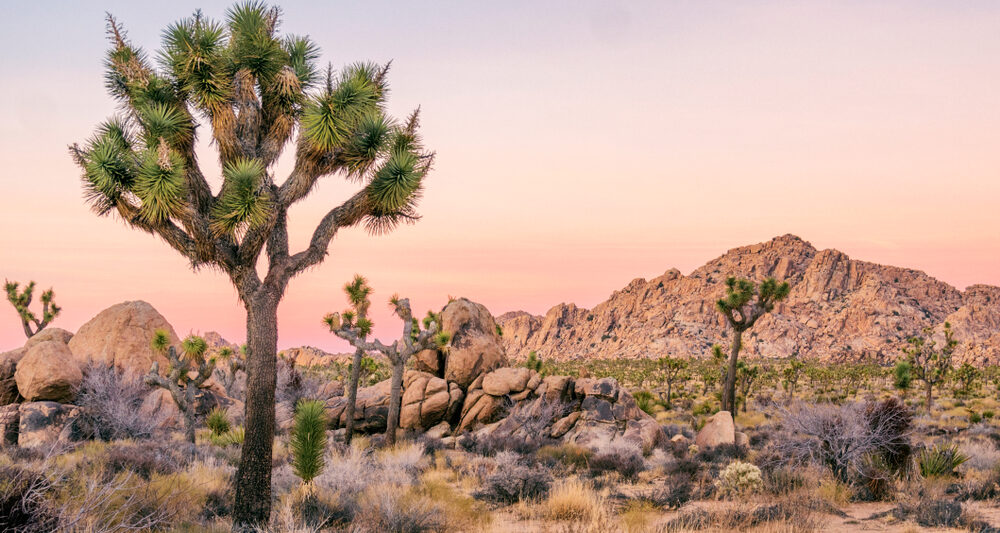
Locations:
(357, 294)
(308, 440)
(354, 327)
(179, 382)
(791, 374)
(533, 362)
(253, 91)
(928, 363)
(742, 312)
(22, 299)
(236, 361)
(746, 377)
(902, 377)
(672, 369)
(967, 379)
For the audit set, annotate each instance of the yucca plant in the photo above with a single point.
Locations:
(232, 437)
(254, 91)
(308, 440)
(186, 374)
(940, 461)
(354, 326)
(743, 306)
(218, 421)
(21, 300)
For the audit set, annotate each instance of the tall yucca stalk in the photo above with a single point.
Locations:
(256, 91)
(308, 440)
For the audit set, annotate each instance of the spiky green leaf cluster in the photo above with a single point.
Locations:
(194, 348)
(159, 184)
(308, 440)
(217, 421)
(243, 202)
(160, 341)
(331, 119)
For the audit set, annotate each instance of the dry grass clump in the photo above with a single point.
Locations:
(783, 515)
(574, 500)
(387, 508)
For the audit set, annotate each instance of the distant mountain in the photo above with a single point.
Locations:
(839, 309)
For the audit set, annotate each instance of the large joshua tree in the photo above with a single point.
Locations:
(257, 91)
(353, 326)
(742, 311)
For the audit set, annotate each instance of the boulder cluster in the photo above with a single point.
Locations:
(466, 387)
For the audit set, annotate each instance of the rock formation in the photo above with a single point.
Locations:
(839, 309)
(48, 372)
(121, 335)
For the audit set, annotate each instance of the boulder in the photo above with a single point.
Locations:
(503, 381)
(121, 335)
(564, 424)
(160, 407)
(48, 372)
(10, 415)
(49, 334)
(8, 365)
(331, 389)
(370, 412)
(425, 400)
(475, 345)
(438, 431)
(46, 423)
(719, 429)
(679, 438)
(430, 361)
(742, 439)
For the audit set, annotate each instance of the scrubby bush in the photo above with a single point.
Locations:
(141, 459)
(109, 399)
(385, 509)
(514, 483)
(940, 461)
(675, 492)
(567, 454)
(739, 478)
(932, 513)
(491, 444)
(22, 507)
(618, 456)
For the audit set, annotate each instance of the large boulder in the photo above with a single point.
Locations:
(121, 335)
(10, 417)
(719, 429)
(8, 365)
(370, 412)
(48, 372)
(475, 345)
(49, 334)
(427, 400)
(45, 423)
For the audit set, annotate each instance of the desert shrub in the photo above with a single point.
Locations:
(22, 503)
(669, 430)
(308, 440)
(739, 478)
(795, 515)
(574, 500)
(931, 513)
(722, 453)
(143, 460)
(490, 444)
(982, 455)
(843, 437)
(388, 509)
(515, 483)
(566, 454)
(110, 399)
(940, 461)
(217, 421)
(985, 488)
(675, 492)
(621, 457)
(783, 480)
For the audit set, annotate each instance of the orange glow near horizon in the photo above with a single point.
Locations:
(578, 147)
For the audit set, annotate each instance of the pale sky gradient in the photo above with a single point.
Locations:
(580, 144)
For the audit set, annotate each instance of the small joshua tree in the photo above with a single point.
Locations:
(179, 381)
(928, 363)
(235, 362)
(791, 375)
(672, 369)
(746, 377)
(354, 327)
(902, 377)
(742, 312)
(22, 299)
(357, 294)
(308, 440)
(967, 379)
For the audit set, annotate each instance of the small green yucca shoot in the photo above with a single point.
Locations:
(940, 461)
(217, 421)
(230, 438)
(308, 442)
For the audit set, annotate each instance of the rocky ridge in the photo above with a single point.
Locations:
(839, 309)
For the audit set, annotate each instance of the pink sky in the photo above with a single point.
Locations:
(580, 145)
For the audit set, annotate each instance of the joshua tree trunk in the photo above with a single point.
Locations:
(930, 399)
(352, 394)
(729, 393)
(253, 482)
(189, 413)
(395, 397)
(669, 384)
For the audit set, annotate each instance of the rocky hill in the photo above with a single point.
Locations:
(839, 309)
